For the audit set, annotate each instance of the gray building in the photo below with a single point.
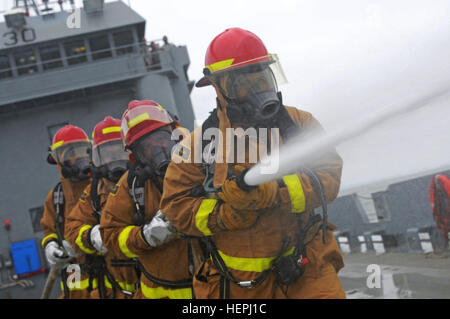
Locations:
(74, 67)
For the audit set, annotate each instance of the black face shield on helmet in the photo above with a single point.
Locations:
(110, 160)
(154, 150)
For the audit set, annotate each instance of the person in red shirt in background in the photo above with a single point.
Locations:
(440, 204)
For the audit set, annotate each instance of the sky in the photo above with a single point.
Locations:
(343, 60)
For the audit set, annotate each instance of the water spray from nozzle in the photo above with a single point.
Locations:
(290, 161)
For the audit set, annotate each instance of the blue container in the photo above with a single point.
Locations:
(25, 257)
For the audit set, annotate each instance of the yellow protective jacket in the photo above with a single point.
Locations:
(249, 252)
(124, 238)
(78, 224)
(72, 191)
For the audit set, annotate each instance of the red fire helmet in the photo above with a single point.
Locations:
(142, 117)
(106, 131)
(66, 135)
(235, 47)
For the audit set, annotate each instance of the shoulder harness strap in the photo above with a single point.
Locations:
(58, 203)
(137, 192)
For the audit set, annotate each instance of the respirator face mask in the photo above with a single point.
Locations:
(110, 160)
(251, 91)
(154, 150)
(74, 160)
(251, 96)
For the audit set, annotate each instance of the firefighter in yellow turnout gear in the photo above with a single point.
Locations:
(70, 152)
(264, 241)
(82, 224)
(132, 224)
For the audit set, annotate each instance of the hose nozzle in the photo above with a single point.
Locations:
(240, 181)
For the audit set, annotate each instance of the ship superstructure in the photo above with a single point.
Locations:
(68, 65)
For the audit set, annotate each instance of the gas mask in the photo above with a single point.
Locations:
(74, 160)
(110, 160)
(256, 110)
(79, 171)
(112, 171)
(251, 94)
(154, 150)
